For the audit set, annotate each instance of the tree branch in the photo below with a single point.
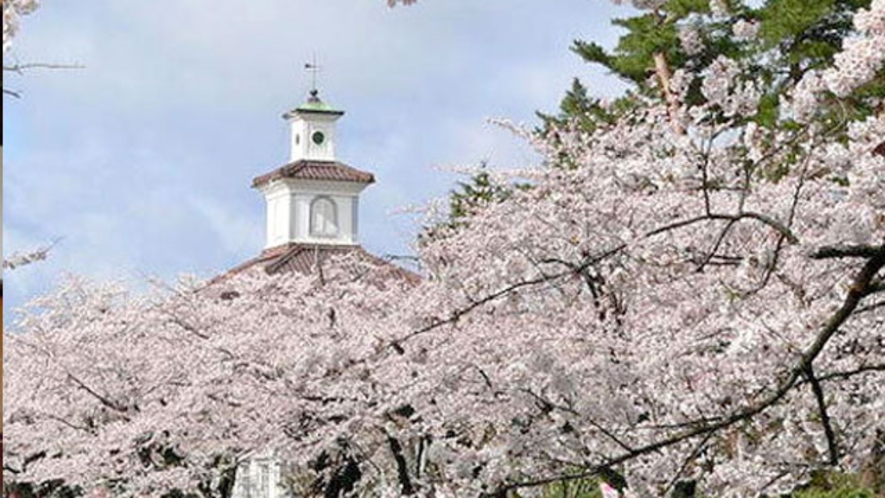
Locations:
(771, 222)
(847, 251)
(845, 374)
(21, 68)
(102, 399)
(824, 416)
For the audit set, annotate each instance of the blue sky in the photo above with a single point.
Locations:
(141, 161)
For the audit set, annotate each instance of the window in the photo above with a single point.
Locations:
(323, 217)
(243, 482)
(263, 490)
(257, 478)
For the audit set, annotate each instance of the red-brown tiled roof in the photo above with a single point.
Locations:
(306, 258)
(309, 258)
(316, 170)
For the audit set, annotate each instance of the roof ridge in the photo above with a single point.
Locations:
(310, 169)
(284, 258)
(291, 259)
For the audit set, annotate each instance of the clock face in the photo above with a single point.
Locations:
(318, 137)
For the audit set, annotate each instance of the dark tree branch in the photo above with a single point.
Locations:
(686, 462)
(824, 416)
(847, 251)
(187, 327)
(102, 399)
(716, 245)
(876, 286)
(456, 315)
(765, 219)
(870, 307)
(846, 374)
(21, 68)
(401, 466)
(546, 403)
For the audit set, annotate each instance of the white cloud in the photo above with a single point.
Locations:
(239, 233)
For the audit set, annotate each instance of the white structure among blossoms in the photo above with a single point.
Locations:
(259, 477)
(312, 214)
(314, 199)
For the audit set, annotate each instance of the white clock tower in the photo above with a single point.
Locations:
(314, 199)
(312, 127)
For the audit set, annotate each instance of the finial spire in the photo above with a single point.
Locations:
(314, 68)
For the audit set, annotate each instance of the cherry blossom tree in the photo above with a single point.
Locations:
(13, 10)
(690, 306)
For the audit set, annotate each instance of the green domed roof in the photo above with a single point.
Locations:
(315, 104)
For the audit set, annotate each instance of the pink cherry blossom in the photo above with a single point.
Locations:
(702, 304)
(12, 12)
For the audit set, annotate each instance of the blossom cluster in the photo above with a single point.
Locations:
(858, 63)
(12, 12)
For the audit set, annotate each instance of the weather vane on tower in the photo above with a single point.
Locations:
(314, 68)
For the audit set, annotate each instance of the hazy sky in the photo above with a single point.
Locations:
(141, 161)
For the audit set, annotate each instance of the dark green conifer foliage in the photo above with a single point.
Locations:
(794, 36)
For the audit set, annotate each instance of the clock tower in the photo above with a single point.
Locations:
(314, 199)
(312, 130)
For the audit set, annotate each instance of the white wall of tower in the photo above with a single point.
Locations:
(289, 204)
(302, 145)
